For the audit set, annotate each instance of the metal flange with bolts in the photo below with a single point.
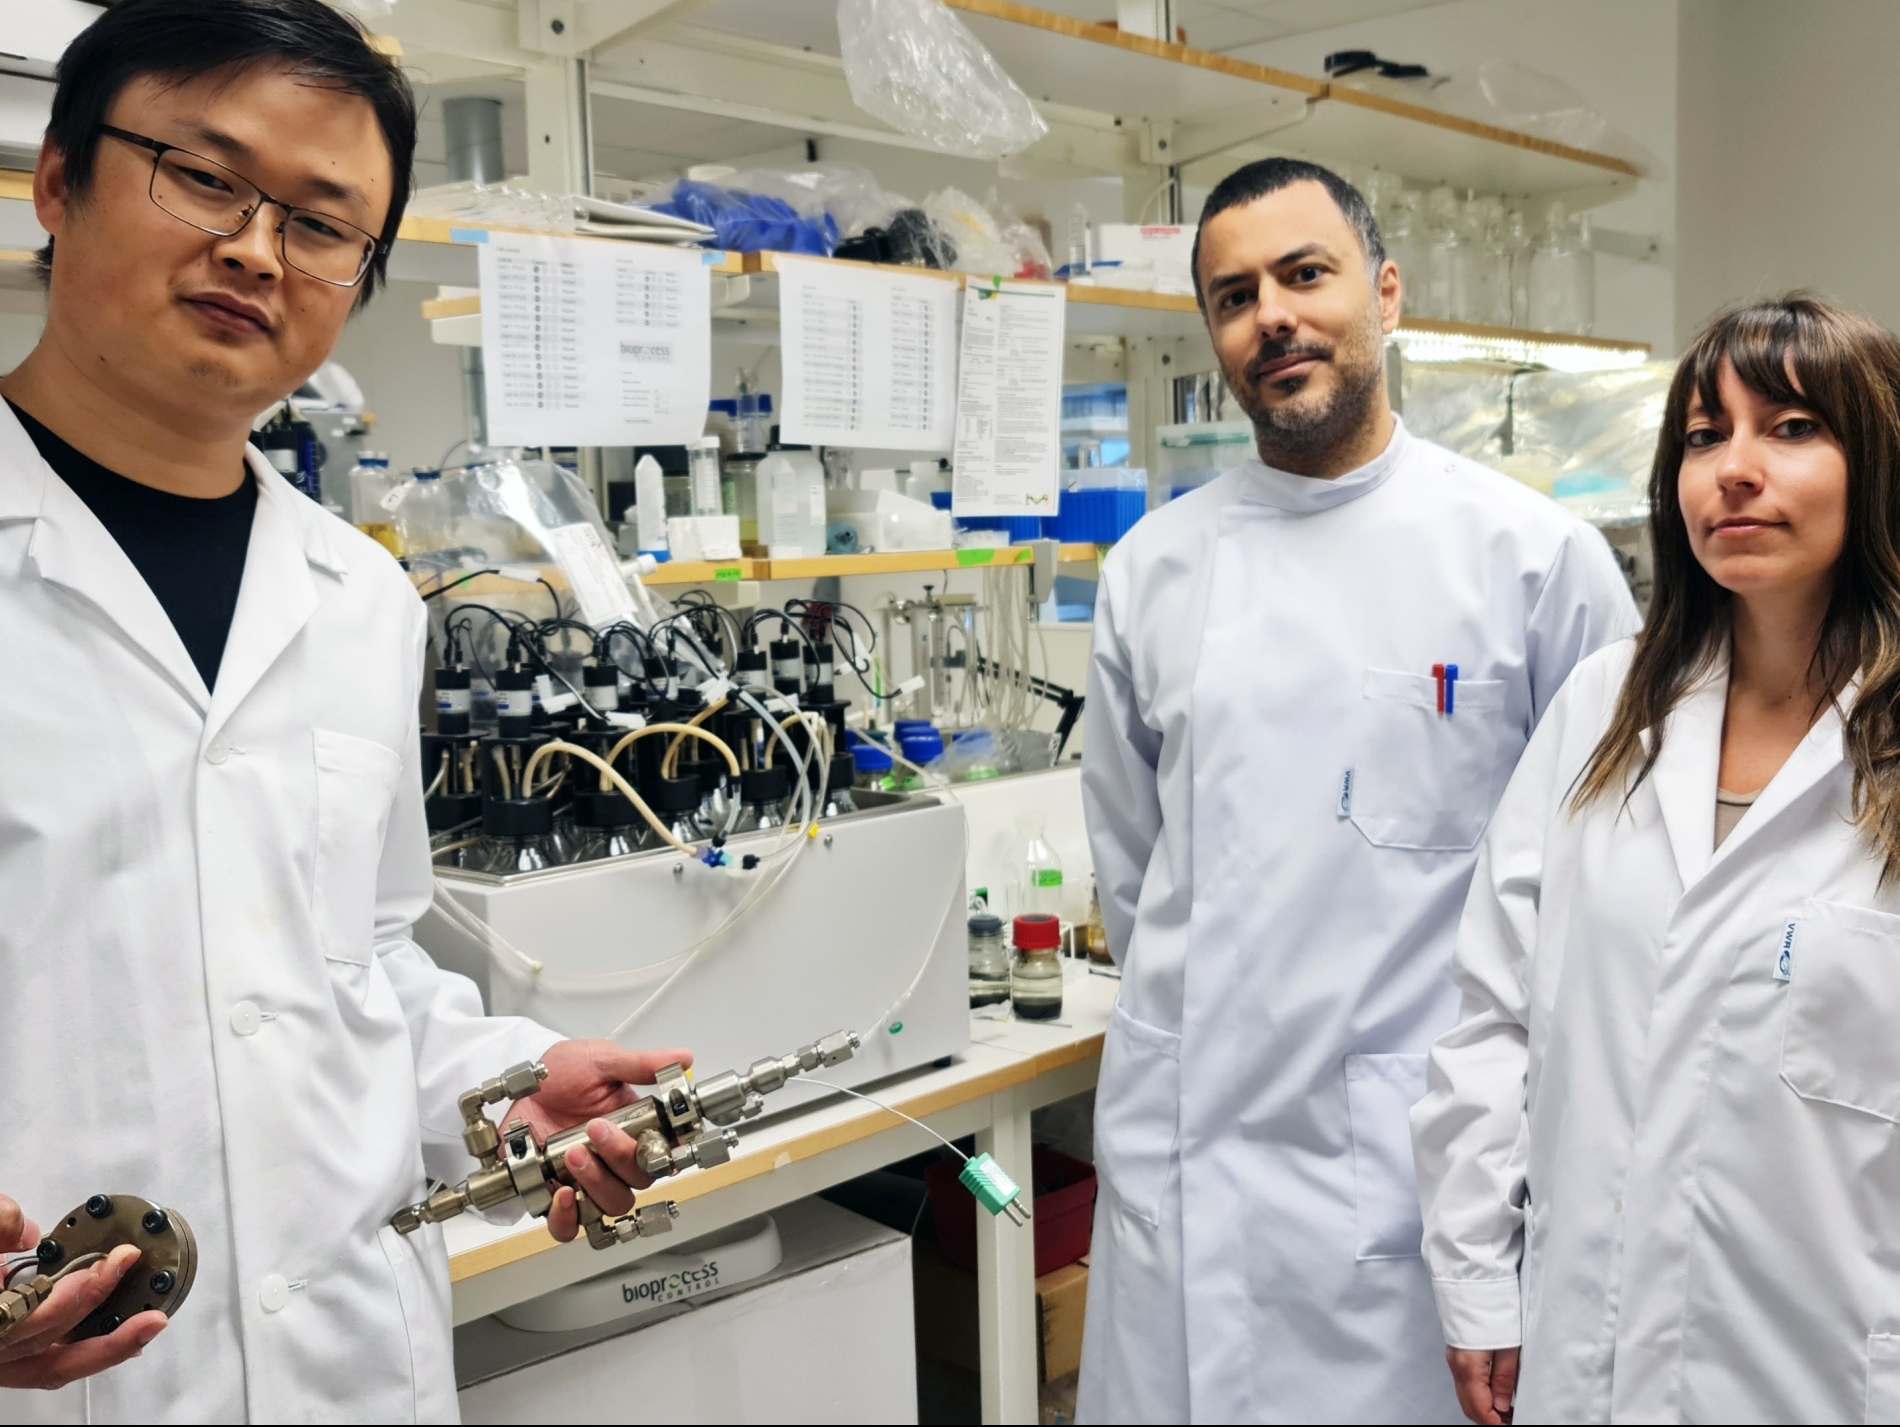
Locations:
(168, 1262)
(681, 1125)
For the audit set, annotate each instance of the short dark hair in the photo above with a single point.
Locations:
(1264, 176)
(179, 40)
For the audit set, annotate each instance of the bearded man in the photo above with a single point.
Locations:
(1312, 678)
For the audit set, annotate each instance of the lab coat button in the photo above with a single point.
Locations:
(217, 752)
(245, 1018)
(273, 1292)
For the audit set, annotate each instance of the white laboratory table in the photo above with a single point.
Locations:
(1011, 1068)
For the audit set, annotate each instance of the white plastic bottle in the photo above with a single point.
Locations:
(792, 515)
(649, 506)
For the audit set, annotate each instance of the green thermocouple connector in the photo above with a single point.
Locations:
(993, 1189)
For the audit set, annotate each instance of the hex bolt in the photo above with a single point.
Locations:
(99, 1206)
(50, 1252)
(156, 1222)
(111, 1322)
(162, 1281)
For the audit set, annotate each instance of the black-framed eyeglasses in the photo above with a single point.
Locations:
(215, 199)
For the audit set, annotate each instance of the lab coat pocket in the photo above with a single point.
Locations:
(1138, 1112)
(1883, 1378)
(1421, 780)
(1838, 1042)
(1380, 1093)
(356, 781)
(421, 1285)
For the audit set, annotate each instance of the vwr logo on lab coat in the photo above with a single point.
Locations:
(669, 1288)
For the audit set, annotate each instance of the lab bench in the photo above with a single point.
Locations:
(1010, 1069)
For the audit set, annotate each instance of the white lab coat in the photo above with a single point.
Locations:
(1283, 831)
(1673, 1173)
(211, 996)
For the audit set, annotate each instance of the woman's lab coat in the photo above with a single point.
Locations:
(211, 996)
(1661, 1144)
(1283, 829)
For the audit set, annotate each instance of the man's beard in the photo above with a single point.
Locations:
(1297, 435)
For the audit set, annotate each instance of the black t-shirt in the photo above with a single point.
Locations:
(190, 551)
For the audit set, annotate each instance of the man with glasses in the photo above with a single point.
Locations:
(212, 844)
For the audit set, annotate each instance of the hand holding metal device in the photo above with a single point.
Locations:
(168, 1262)
(681, 1125)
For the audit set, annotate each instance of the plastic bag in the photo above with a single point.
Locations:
(524, 519)
(982, 243)
(1595, 433)
(917, 67)
(847, 193)
(751, 222)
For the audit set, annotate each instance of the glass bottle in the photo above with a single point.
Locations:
(1519, 244)
(1095, 937)
(1563, 276)
(1035, 977)
(372, 496)
(1442, 236)
(1486, 265)
(1405, 245)
(989, 962)
(1041, 869)
(422, 515)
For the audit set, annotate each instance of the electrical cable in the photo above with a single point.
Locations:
(803, 1079)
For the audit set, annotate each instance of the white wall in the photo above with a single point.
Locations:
(1787, 157)
(1620, 54)
(413, 385)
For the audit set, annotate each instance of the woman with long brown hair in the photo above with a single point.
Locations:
(1660, 1155)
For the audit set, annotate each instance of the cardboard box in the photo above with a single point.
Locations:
(945, 1311)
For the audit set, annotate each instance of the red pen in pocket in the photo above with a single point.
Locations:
(1438, 674)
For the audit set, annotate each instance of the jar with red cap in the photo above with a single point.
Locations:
(1035, 979)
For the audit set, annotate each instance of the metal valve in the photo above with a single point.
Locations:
(680, 1126)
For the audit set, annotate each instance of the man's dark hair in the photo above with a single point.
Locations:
(1264, 176)
(179, 40)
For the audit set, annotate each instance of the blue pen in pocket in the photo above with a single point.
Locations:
(1451, 689)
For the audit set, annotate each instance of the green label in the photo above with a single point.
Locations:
(980, 556)
(1049, 877)
(728, 574)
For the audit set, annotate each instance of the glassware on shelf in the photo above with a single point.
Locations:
(1487, 265)
(1406, 245)
(1520, 246)
(1563, 276)
(1442, 225)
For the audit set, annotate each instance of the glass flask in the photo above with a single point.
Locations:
(989, 962)
(838, 799)
(1035, 977)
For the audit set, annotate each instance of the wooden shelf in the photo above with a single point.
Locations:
(704, 572)
(708, 572)
(1072, 62)
(16, 185)
(1093, 310)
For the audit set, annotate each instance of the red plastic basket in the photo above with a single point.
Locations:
(1063, 1216)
